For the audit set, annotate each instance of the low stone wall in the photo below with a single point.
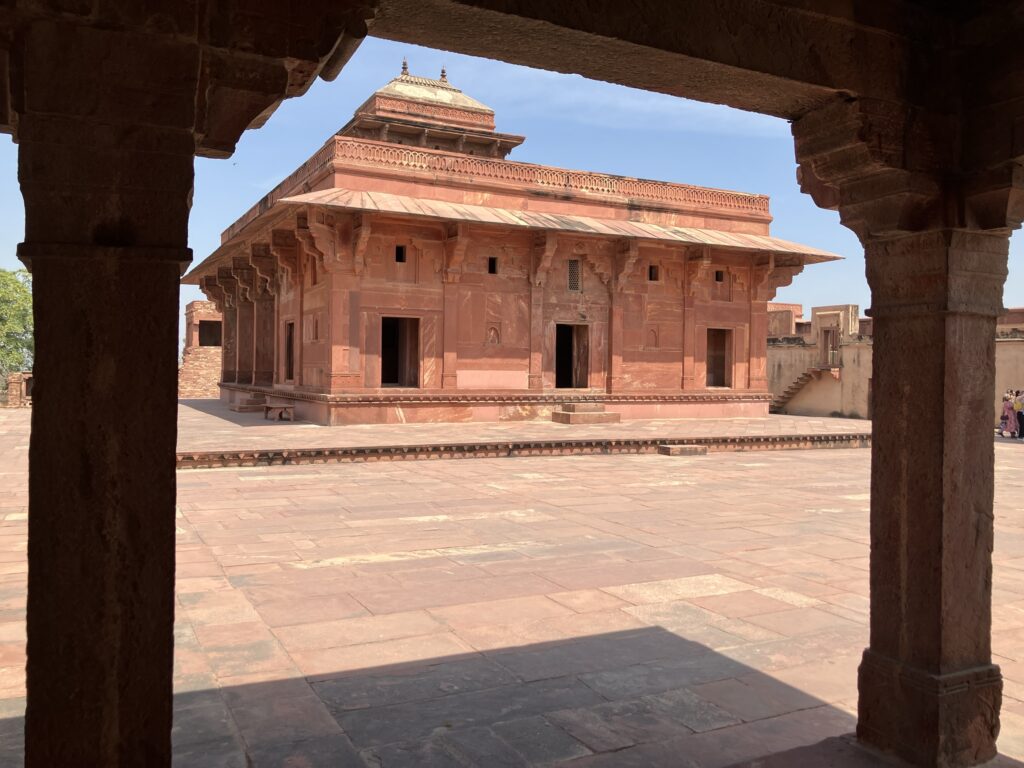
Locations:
(199, 373)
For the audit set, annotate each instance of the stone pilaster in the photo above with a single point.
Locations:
(455, 246)
(544, 247)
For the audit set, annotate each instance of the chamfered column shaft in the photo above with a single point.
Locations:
(928, 688)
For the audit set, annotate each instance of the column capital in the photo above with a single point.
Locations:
(891, 168)
(937, 271)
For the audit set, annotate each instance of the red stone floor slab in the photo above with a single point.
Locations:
(628, 610)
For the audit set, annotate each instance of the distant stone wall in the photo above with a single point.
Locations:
(201, 361)
(199, 373)
(19, 389)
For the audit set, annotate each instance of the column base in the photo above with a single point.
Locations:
(948, 720)
(535, 381)
(449, 381)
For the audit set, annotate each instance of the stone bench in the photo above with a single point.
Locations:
(279, 412)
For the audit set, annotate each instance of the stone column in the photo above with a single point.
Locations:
(544, 246)
(227, 282)
(105, 165)
(450, 360)
(264, 313)
(615, 340)
(246, 322)
(936, 254)
(263, 341)
(758, 360)
(928, 688)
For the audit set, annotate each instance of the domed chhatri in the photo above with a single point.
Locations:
(423, 112)
(409, 272)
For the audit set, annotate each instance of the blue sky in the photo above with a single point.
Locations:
(568, 121)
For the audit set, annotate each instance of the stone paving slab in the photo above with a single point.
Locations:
(577, 611)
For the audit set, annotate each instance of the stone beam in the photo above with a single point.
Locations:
(749, 54)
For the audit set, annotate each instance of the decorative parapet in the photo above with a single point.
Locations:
(375, 154)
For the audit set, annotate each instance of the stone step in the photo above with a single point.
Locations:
(247, 407)
(592, 417)
(583, 407)
(683, 450)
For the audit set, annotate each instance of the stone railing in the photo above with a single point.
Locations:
(379, 154)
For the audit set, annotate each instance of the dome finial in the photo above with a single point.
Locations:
(444, 75)
(405, 66)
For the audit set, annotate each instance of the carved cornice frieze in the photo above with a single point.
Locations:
(409, 158)
(482, 119)
(544, 246)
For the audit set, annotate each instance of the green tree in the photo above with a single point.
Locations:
(16, 340)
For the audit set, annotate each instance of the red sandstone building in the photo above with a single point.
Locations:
(409, 272)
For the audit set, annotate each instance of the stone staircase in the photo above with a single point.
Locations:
(584, 413)
(780, 401)
(252, 404)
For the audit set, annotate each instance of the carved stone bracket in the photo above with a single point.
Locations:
(455, 245)
(629, 254)
(601, 263)
(361, 231)
(285, 249)
(308, 243)
(544, 246)
(246, 277)
(698, 275)
(213, 291)
(229, 285)
(769, 277)
(263, 261)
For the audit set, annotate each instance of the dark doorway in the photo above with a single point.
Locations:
(289, 351)
(209, 333)
(572, 358)
(830, 346)
(399, 352)
(718, 357)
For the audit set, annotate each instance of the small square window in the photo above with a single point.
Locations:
(719, 276)
(492, 265)
(400, 254)
(652, 273)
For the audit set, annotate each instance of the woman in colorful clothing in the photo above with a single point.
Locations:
(1008, 422)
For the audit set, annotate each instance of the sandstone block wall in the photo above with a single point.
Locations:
(199, 373)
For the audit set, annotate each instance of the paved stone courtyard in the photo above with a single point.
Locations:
(589, 611)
